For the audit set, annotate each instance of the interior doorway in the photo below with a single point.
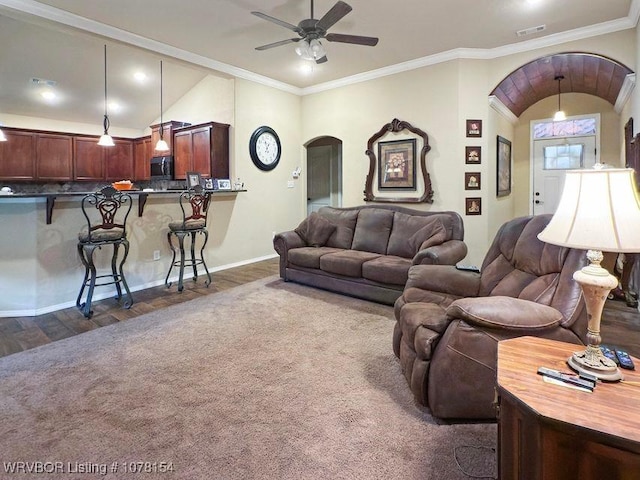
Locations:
(556, 148)
(324, 173)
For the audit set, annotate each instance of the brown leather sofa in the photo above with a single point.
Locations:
(366, 251)
(449, 322)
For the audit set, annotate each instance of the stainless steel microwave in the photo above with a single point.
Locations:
(162, 168)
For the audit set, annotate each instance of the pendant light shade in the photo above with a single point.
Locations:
(161, 146)
(105, 139)
(559, 115)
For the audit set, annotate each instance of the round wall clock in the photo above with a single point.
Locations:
(264, 148)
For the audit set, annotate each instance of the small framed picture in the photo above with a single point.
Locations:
(472, 181)
(221, 184)
(473, 206)
(473, 155)
(208, 183)
(193, 179)
(474, 128)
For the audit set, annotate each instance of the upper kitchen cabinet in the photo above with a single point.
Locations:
(167, 135)
(17, 155)
(202, 148)
(142, 153)
(54, 157)
(118, 160)
(96, 163)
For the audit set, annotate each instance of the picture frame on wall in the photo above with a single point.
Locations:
(503, 167)
(473, 206)
(473, 155)
(474, 128)
(472, 180)
(397, 164)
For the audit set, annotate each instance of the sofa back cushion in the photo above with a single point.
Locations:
(372, 230)
(345, 222)
(411, 233)
(315, 230)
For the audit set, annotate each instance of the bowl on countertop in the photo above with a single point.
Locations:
(122, 185)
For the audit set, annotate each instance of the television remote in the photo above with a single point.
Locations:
(563, 377)
(624, 359)
(609, 353)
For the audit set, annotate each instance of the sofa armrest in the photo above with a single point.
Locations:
(504, 313)
(447, 253)
(444, 279)
(282, 243)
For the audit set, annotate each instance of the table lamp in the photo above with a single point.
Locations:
(599, 210)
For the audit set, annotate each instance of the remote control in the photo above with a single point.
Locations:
(624, 359)
(609, 353)
(470, 268)
(563, 377)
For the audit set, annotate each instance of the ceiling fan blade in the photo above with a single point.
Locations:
(277, 21)
(357, 39)
(339, 10)
(322, 59)
(277, 44)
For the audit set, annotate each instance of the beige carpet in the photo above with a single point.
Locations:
(270, 380)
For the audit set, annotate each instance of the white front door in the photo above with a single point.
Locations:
(551, 158)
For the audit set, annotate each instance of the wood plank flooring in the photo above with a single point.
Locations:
(620, 324)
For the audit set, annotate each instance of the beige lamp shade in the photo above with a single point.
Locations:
(599, 210)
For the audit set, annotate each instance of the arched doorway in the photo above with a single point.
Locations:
(324, 173)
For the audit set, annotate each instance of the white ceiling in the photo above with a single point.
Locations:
(62, 40)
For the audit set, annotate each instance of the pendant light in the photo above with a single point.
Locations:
(161, 146)
(559, 115)
(105, 139)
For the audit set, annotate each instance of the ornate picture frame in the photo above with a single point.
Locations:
(397, 165)
(503, 167)
(396, 126)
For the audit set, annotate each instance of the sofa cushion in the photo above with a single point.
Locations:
(309, 257)
(372, 230)
(345, 222)
(411, 233)
(315, 230)
(346, 262)
(387, 269)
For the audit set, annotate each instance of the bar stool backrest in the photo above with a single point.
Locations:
(112, 207)
(197, 200)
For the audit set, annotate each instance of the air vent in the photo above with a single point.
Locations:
(530, 31)
(41, 82)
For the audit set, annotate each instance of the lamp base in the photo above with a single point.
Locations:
(593, 362)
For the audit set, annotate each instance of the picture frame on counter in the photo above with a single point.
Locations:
(221, 184)
(193, 179)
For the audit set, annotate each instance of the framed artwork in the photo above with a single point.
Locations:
(472, 181)
(474, 128)
(208, 183)
(193, 179)
(221, 184)
(473, 155)
(473, 206)
(397, 164)
(503, 167)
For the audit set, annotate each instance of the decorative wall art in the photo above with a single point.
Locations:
(472, 181)
(503, 167)
(473, 206)
(474, 128)
(473, 155)
(397, 165)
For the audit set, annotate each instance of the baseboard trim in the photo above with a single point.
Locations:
(134, 288)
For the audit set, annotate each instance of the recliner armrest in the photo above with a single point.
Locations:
(444, 279)
(447, 253)
(504, 313)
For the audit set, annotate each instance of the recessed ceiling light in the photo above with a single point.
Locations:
(114, 107)
(48, 94)
(140, 76)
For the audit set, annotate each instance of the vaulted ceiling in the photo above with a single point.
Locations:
(583, 73)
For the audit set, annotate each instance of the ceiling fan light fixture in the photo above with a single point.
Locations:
(316, 49)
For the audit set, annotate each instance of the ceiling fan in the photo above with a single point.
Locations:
(312, 30)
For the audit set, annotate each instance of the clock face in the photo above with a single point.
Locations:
(264, 148)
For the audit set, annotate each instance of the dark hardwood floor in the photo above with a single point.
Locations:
(620, 324)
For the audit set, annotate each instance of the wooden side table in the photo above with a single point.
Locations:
(551, 432)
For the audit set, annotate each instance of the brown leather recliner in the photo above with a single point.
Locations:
(449, 321)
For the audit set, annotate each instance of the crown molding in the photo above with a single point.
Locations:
(502, 109)
(625, 92)
(60, 16)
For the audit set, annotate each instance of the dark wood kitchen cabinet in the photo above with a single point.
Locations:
(54, 157)
(167, 135)
(142, 153)
(96, 163)
(202, 148)
(17, 155)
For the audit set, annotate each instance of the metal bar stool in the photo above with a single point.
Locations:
(191, 225)
(107, 227)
